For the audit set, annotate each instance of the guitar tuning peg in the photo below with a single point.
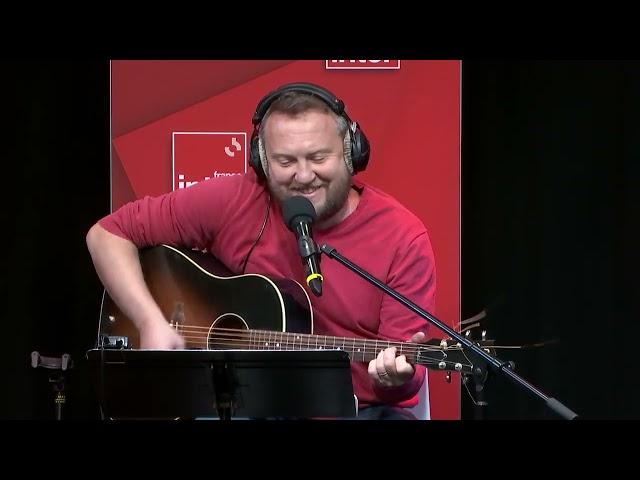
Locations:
(443, 343)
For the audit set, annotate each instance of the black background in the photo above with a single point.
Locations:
(550, 169)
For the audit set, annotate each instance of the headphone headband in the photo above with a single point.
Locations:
(336, 105)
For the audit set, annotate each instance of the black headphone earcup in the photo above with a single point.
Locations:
(359, 151)
(254, 157)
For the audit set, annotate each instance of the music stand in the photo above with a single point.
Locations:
(223, 383)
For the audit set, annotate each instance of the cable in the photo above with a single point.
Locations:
(264, 224)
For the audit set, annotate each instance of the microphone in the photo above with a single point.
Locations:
(299, 214)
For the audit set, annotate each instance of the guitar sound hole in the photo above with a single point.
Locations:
(228, 332)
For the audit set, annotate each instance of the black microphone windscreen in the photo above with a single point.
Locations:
(297, 206)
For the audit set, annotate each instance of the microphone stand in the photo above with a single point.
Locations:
(495, 363)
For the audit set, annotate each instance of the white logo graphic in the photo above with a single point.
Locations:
(198, 156)
(236, 145)
(362, 64)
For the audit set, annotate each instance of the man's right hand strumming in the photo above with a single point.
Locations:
(160, 336)
(118, 264)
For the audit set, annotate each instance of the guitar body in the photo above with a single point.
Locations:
(194, 290)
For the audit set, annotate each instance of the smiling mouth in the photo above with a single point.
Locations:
(307, 191)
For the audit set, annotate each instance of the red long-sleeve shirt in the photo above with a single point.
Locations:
(224, 216)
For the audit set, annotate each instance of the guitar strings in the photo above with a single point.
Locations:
(291, 338)
(268, 340)
(262, 343)
(279, 344)
(234, 332)
(239, 344)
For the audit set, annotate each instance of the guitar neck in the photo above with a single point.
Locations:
(360, 350)
(431, 354)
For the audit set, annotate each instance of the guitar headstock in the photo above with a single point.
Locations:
(444, 355)
(450, 356)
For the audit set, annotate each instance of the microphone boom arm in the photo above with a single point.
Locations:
(495, 363)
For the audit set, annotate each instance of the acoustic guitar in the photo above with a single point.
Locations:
(214, 309)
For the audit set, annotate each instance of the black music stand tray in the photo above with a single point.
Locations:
(157, 384)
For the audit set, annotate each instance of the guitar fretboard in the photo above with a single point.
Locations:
(359, 349)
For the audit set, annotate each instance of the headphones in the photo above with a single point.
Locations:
(356, 156)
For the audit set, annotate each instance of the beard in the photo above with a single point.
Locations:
(336, 194)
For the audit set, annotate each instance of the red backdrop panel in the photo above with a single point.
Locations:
(175, 122)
